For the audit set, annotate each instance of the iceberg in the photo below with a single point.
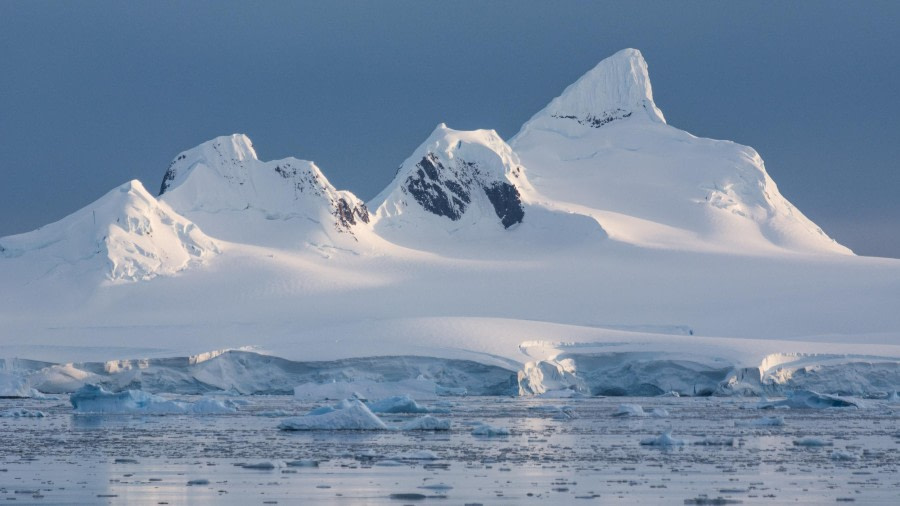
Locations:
(349, 414)
(97, 400)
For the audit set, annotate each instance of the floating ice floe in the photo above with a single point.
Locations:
(715, 441)
(807, 399)
(416, 455)
(302, 463)
(278, 413)
(663, 440)
(629, 410)
(96, 399)
(349, 414)
(843, 456)
(426, 422)
(22, 413)
(558, 412)
(766, 421)
(265, 465)
(489, 430)
(812, 442)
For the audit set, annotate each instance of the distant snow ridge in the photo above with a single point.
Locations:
(134, 236)
(462, 177)
(224, 174)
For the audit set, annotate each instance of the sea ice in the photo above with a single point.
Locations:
(766, 421)
(843, 456)
(664, 439)
(490, 430)
(22, 413)
(426, 422)
(812, 442)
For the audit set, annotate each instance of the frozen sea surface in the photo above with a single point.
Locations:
(587, 456)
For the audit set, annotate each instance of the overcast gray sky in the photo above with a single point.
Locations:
(93, 94)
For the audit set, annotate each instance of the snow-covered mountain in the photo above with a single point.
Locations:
(126, 235)
(603, 148)
(456, 179)
(222, 182)
(601, 250)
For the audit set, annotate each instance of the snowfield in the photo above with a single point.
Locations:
(600, 251)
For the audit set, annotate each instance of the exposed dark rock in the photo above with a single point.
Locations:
(507, 203)
(348, 215)
(598, 121)
(170, 174)
(443, 198)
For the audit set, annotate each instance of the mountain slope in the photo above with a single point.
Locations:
(222, 185)
(603, 148)
(456, 179)
(127, 234)
(466, 192)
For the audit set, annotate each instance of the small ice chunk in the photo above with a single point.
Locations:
(766, 421)
(715, 441)
(629, 410)
(426, 422)
(261, 466)
(303, 463)
(409, 497)
(389, 463)
(437, 486)
(22, 413)
(807, 399)
(416, 455)
(670, 393)
(490, 430)
(349, 414)
(843, 456)
(812, 442)
(210, 407)
(277, 413)
(664, 440)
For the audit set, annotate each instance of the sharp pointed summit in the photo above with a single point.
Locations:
(604, 147)
(616, 89)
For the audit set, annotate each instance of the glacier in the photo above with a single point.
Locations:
(599, 251)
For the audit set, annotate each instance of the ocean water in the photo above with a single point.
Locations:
(560, 451)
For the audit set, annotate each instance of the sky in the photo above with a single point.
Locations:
(93, 94)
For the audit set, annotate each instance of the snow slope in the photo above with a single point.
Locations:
(127, 235)
(222, 185)
(621, 256)
(466, 192)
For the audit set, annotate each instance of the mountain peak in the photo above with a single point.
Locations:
(455, 174)
(230, 152)
(617, 88)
